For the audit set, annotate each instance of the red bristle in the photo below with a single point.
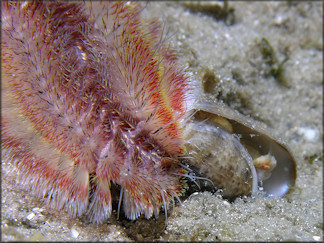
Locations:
(92, 96)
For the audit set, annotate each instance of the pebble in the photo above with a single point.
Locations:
(74, 233)
(30, 216)
(308, 133)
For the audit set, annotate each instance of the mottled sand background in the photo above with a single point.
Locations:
(221, 47)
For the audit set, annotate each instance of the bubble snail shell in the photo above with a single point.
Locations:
(237, 153)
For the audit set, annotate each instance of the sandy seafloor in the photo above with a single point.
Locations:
(227, 50)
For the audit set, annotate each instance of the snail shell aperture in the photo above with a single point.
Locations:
(237, 153)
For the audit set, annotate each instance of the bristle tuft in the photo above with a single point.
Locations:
(92, 96)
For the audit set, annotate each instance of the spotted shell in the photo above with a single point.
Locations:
(237, 153)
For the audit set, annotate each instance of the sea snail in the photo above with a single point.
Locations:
(237, 153)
